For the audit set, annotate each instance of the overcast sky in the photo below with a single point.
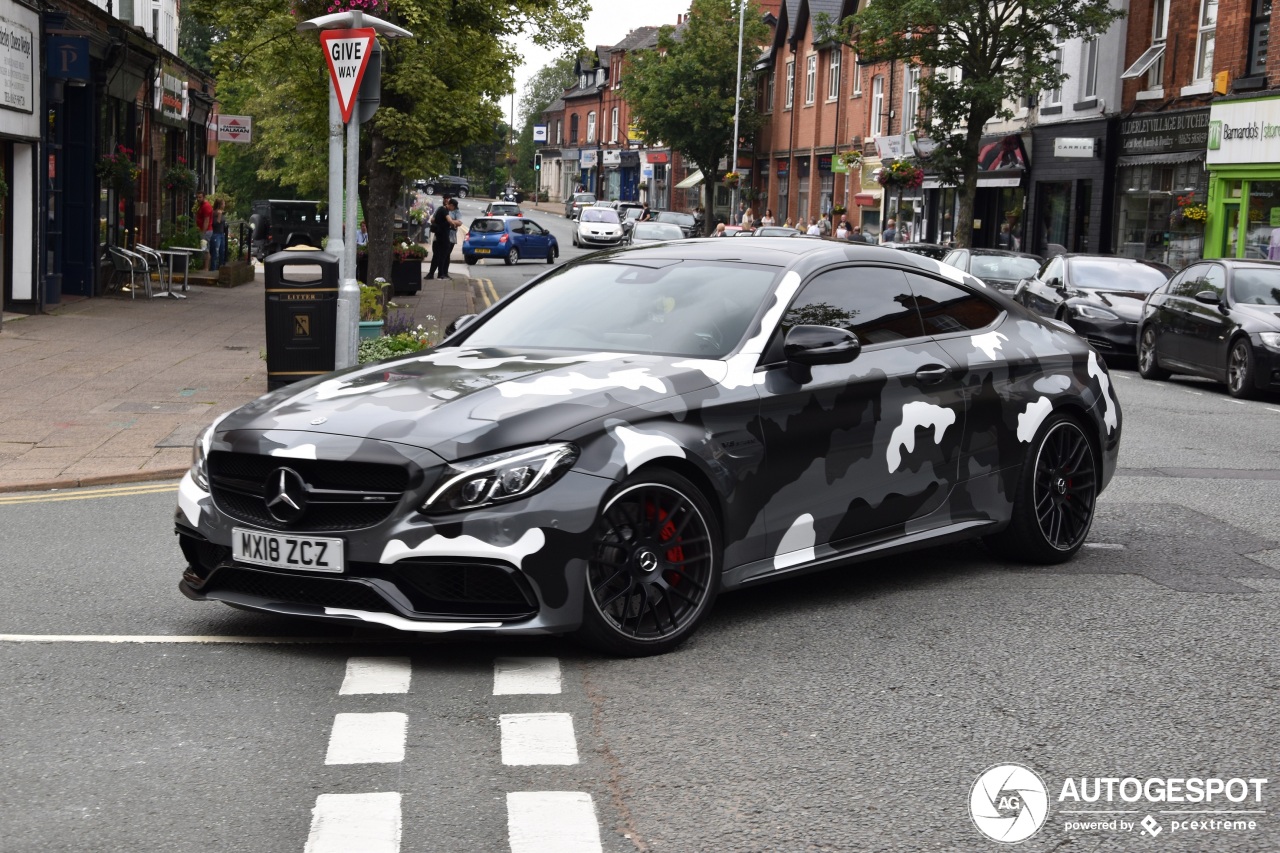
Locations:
(608, 23)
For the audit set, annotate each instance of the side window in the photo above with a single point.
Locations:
(1192, 281)
(1215, 279)
(875, 303)
(955, 259)
(1052, 270)
(946, 308)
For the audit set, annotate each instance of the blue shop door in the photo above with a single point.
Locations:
(79, 207)
(629, 186)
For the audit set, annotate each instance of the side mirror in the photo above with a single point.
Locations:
(1208, 297)
(464, 320)
(809, 345)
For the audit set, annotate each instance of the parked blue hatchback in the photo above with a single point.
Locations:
(510, 238)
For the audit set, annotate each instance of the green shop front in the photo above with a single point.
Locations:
(1244, 178)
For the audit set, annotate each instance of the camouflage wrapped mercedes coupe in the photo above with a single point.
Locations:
(624, 437)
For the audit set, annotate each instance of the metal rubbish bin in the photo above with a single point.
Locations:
(302, 315)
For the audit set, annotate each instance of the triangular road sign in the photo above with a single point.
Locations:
(347, 52)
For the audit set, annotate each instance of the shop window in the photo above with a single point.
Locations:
(784, 193)
(1146, 200)
(1052, 216)
(826, 190)
(802, 187)
(1264, 210)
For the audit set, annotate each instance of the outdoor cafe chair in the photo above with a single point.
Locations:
(124, 264)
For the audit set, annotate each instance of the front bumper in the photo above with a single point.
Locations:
(1109, 337)
(515, 568)
(599, 239)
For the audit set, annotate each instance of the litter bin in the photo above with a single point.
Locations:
(302, 315)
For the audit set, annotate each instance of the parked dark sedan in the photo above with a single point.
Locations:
(996, 267)
(606, 449)
(687, 221)
(1219, 319)
(1099, 296)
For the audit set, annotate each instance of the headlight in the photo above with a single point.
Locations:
(1092, 312)
(199, 459)
(1271, 339)
(500, 477)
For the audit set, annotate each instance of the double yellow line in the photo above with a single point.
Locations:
(88, 494)
(487, 291)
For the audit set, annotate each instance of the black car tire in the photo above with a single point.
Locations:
(470, 259)
(551, 255)
(461, 193)
(431, 189)
(1148, 362)
(654, 569)
(1241, 370)
(1057, 493)
(513, 255)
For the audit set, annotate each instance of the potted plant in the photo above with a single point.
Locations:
(406, 267)
(372, 309)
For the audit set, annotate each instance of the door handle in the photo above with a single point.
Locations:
(931, 374)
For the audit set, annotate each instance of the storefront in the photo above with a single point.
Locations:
(20, 180)
(1000, 196)
(1160, 173)
(1243, 156)
(1070, 194)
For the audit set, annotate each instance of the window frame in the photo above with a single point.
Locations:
(1206, 36)
(790, 94)
(810, 78)
(591, 127)
(833, 74)
(1088, 69)
(910, 97)
(613, 125)
(877, 105)
(1259, 38)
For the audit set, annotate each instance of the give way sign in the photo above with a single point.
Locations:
(347, 52)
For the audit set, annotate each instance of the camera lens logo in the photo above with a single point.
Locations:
(1009, 803)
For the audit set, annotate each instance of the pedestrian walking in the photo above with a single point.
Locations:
(890, 233)
(218, 237)
(204, 224)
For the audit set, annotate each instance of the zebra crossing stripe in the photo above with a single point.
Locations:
(522, 676)
(376, 675)
(341, 823)
(529, 739)
(552, 822)
(367, 738)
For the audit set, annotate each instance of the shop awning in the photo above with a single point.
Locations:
(1168, 157)
(692, 181)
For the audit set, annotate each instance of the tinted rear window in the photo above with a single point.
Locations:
(488, 226)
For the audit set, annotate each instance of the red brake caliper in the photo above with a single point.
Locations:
(675, 553)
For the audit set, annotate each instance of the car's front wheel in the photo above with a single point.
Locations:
(551, 255)
(1148, 363)
(461, 193)
(431, 189)
(513, 255)
(1241, 370)
(1054, 503)
(654, 569)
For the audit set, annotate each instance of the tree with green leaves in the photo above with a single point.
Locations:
(441, 89)
(683, 91)
(980, 58)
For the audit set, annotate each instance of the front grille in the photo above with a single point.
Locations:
(347, 495)
(1100, 343)
(291, 589)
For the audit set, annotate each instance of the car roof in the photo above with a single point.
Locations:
(1001, 253)
(770, 251)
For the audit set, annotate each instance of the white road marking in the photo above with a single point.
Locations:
(175, 638)
(367, 738)
(529, 739)
(1108, 546)
(552, 822)
(1192, 393)
(376, 675)
(1269, 409)
(341, 823)
(519, 676)
(1237, 402)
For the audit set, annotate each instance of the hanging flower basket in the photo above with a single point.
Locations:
(1189, 212)
(901, 173)
(851, 159)
(178, 178)
(118, 171)
(732, 179)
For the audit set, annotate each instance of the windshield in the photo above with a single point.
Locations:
(677, 218)
(1257, 286)
(1003, 267)
(1113, 274)
(658, 231)
(599, 214)
(696, 309)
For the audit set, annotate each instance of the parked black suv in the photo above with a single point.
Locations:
(281, 223)
(451, 184)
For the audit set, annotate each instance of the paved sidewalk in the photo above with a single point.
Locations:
(114, 390)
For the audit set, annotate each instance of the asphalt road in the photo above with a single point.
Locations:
(847, 711)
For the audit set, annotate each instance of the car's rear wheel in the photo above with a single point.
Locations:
(1241, 370)
(461, 193)
(513, 255)
(1057, 491)
(470, 259)
(1148, 363)
(431, 189)
(655, 566)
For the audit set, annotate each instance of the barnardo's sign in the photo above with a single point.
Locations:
(1244, 132)
(1165, 133)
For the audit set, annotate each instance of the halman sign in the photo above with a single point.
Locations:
(1244, 132)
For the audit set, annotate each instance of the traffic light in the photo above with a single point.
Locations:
(537, 162)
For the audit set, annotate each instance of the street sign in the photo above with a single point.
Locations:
(347, 52)
(235, 129)
(539, 134)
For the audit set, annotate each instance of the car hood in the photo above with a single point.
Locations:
(1266, 315)
(1126, 304)
(461, 402)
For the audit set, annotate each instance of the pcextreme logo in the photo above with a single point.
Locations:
(1009, 803)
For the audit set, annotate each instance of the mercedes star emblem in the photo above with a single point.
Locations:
(286, 495)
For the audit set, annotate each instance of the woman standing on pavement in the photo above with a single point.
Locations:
(218, 239)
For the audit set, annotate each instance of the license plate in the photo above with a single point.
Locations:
(283, 551)
(482, 251)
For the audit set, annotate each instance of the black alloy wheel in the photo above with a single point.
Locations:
(655, 566)
(513, 255)
(1148, 364)
(1056, 497)
(1240, 370)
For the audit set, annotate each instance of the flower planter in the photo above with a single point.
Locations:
(370, 329)
(406, 276)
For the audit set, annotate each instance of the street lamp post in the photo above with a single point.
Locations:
(737, 108)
